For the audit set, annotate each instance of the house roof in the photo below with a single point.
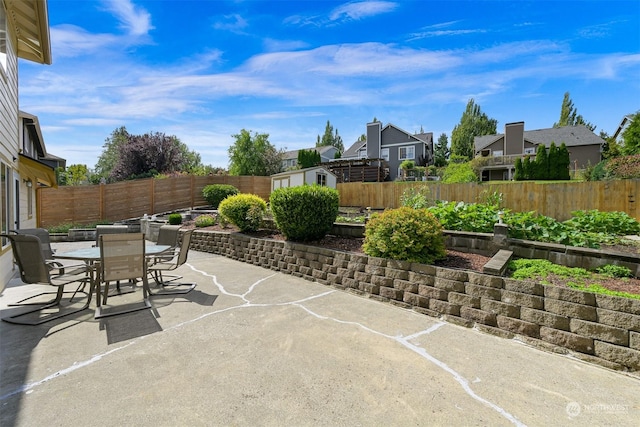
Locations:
(353, 150)
(572, 136)
(623, 125)
(293, 154)
(297, 171)
(34, 128)
(425, 137)
(30, 21)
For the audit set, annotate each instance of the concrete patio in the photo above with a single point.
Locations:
(251, 346)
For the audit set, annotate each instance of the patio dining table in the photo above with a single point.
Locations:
(91, 257)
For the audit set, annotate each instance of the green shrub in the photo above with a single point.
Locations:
(215, 193)
(205, 221)
(459, 172)
(305, 212)
(244, 211)
(405, 234)
(175, 219)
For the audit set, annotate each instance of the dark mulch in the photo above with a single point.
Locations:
(454, 259)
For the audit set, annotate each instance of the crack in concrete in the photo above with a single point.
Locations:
(404, 341)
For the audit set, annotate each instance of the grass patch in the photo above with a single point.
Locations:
(546, 272)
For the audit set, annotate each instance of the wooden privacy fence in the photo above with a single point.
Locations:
(556, 200)
(132, 199)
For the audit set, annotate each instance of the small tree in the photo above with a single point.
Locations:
(631, 137)
(308, 158)
(519, 173)
(564, 161)
(552, 159)
(441, 151)
(526, 168)
(542, 163)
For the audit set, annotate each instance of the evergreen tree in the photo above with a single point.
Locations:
(330, 138)
(472, 123)
(441, 151)
(518, 175)
(553, 162)
(308, 158)
(526, 168)
(569, 115)
(564, 162)
(542, 163)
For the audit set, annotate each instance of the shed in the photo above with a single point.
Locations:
(315, 175)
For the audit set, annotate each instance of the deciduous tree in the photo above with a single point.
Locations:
(631, 137)
(472, 123)
(254, 155)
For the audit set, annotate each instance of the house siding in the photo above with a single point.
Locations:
(374, 136)
(9, 138)
(514, 138)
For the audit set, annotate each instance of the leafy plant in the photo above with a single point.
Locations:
(244, 211)
(474, 217)
(417, 198)
(458, 173)
(614, 271)
(215, 193)
(616, 223)
(305, 212)
(205, 221)
(405, 234)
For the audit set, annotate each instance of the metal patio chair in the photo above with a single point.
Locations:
(34, 270)
(168, 287)
(122, 257)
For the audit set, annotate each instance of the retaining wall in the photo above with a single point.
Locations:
(596, 328)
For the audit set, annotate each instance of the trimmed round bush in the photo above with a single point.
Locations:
(244, 211)
(405, 234)
(215, 193)
(305, 212)
(175, 219)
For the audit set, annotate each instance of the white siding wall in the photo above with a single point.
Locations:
(9, 140)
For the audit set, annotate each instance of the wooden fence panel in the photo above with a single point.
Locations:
(127, 199)
(172, 194)
(556, 200)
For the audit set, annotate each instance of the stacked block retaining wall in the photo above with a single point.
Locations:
(597, 328)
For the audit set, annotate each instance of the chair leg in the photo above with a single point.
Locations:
(100, 313)
(14, 319)
(170, 289)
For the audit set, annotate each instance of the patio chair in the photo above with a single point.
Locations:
(45, 245)
(109, 229)
(168, 235)
(160, 266)
(122, 257)
(33, 268)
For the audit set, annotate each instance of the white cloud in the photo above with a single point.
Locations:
(134, 20)
(234, 23)
(361, 9)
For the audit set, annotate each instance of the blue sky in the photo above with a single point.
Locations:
(203, 70)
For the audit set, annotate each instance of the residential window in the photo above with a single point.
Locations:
(407, 153)
(384, 153)
(5, 183)
(530, 150)
(497, 153)
(3, 39)
(321, 179)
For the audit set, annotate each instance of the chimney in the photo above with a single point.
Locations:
(374, 131)
(513, 138)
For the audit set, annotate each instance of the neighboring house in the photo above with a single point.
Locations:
(393, 145)
(624, 124)
(315, 175)
(24, 33)
(290, 158)
(585, 147)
